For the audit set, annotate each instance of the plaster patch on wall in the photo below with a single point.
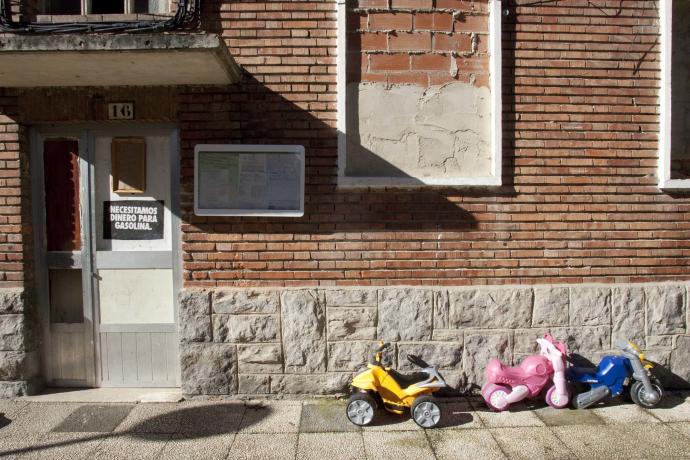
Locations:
(417, 132)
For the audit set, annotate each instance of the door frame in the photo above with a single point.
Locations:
(85, 134)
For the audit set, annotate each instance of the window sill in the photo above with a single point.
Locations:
(62, 18)
(675, 184)
(403, 182)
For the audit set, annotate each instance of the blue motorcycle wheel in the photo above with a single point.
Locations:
(639, 395)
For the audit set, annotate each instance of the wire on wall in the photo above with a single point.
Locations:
(186, 16)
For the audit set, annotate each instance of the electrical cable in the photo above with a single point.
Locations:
(187, 15)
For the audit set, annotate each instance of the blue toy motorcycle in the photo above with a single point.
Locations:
(616, 375)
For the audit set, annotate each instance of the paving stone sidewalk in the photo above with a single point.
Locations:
(318, 429)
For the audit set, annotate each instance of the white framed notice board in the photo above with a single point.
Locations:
(249, 180)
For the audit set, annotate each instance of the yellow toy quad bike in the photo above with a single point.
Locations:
(381, 386)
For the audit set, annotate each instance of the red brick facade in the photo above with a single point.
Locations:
(580, 201)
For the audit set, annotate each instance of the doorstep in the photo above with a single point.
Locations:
(107, 395)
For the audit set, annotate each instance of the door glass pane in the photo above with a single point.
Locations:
(107, 6)
(136, 296)
(61, 171)
(66, 301)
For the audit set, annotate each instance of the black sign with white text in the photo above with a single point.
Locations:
(133, 220)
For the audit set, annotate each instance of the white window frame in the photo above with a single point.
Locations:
(665, 100)
(238, 149)
(495, 79)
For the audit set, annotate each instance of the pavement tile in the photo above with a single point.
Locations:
(38, 418)
(273, 417)
(66, 446)
(623, 413)
(672, 408)
(334, 446)
(387, 421)
(127, 446)
(531, 443)
(459, 415)
(181, 447)
(15, 446)
(321, 417)
(623, 441)
(94, 418)
(464, 444)
(263, 446)
(567, 416)
(207, 418)
(517, 415)
(412, 445)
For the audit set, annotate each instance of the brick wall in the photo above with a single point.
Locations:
(419, 42)
(580, 202)
(15, 210)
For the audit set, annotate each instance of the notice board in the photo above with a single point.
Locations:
(249, 180)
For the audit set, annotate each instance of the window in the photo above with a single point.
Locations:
(419, 95)
(674, 96)
(82, 7)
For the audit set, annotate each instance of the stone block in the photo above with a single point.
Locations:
(12, 300)
(245, 328)
(304, 331)
(680, 358)
(348, 323)
(508, 308)
(330, 383)
(480, 347)
(16, 388)
(13, 333)
(351, 297)
(627, 314)
(18, 365)
(194, 323)
(550, 306)
(656, 341)
(665, 309)
(348, 356)
(260, 358)
(441, 310)
(437, 354)
(254, 384)
(405, 314)
(590, 306)
(448, 335)
(239, 301)
(587, 338)
(208, 368)
(525, 340)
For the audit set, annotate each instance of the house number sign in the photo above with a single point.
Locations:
(121, 111)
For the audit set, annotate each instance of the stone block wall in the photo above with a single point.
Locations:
(19, 356)
(266, 341)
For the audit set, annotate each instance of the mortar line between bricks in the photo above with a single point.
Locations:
(505, 454)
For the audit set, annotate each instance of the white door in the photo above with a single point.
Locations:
(133, 264)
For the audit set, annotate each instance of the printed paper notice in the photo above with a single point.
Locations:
(218, 180)
(252, 194)
(283, 182)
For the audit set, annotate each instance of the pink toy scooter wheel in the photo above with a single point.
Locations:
(494, 394)
(553, 400)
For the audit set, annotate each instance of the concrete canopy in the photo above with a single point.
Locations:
(115, 60)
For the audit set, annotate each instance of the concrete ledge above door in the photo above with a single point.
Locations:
(115, 60)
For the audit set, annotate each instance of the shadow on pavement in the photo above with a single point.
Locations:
(194, 421)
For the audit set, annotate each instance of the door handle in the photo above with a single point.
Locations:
(97, 276)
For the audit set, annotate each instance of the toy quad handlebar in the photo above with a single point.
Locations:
(375, 358)
(417, 361)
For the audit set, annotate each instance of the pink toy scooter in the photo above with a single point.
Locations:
(507, 385)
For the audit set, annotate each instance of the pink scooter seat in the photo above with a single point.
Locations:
(532, 372)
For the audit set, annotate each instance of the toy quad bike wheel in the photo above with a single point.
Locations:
(426, 411)
(638, 394)
(361, 408)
